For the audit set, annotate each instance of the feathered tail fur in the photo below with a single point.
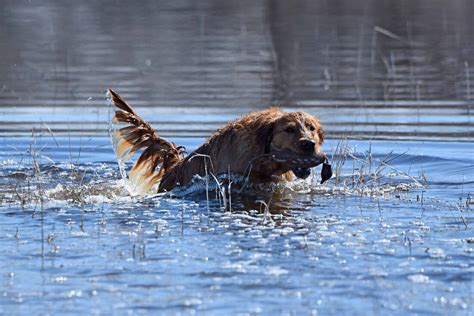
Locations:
(159, 155)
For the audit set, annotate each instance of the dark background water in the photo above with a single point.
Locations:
(389, 69)
(392, 77)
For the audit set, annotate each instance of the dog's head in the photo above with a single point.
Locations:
(294, 141)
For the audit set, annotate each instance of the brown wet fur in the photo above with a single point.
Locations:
(243, 146)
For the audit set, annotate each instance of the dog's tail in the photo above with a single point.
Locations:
(158, 155)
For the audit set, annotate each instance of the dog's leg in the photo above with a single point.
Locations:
(159, 155)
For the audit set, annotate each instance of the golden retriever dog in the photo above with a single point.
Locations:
(264, 146)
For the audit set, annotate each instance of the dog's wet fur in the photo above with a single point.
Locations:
(264, 146)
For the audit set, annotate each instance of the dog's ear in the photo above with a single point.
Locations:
(264, 134)
(320, 135)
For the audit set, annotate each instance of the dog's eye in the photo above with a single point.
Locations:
(310, 127)
(290, 129)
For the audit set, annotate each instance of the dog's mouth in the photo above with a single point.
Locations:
(300, 164)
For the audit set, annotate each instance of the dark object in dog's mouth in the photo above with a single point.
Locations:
(296, 161)
(326, 171)
(301, 165)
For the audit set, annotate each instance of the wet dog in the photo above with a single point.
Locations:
(264, 146)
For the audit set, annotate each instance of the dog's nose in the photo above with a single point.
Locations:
(307, 145)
